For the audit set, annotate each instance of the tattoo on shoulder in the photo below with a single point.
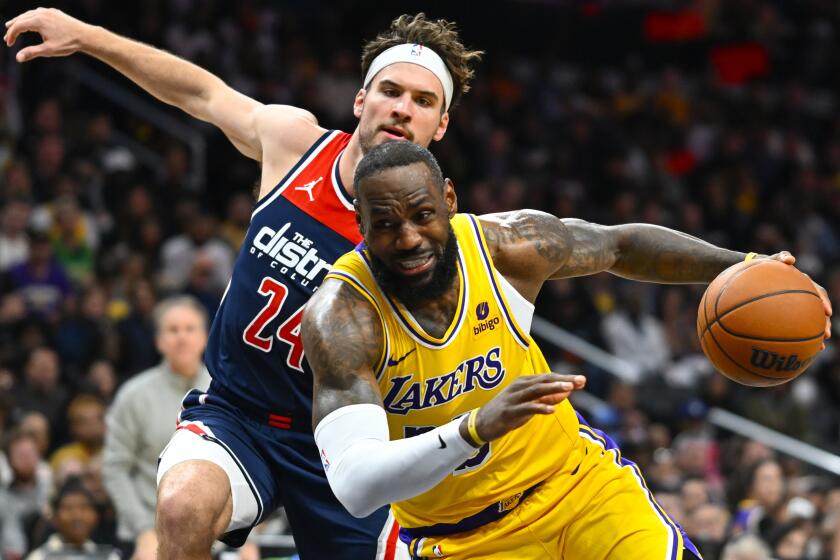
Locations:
(349, 338)
(545, 233)
(342, 337)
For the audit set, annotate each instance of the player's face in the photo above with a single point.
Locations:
(404, 102)
(404, 218)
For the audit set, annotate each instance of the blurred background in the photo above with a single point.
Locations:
(718, 118)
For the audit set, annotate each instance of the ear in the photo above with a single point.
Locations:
(442, 126)
(358, 216)
(450, 197)
(359, 103)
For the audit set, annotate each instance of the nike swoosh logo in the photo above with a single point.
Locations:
(392, 362)
(442, 443)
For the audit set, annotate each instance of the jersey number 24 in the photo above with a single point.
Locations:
(288, 332)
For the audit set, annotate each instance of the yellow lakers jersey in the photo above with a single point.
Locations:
(427, 381)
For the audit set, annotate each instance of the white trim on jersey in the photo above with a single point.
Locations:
(521, 308)
(336, 180)
(226, 291)
(499, 288)
(299, 167)
(407, 322)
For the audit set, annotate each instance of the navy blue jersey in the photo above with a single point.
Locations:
(297, 231)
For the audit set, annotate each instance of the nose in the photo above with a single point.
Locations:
(403, 107)
(408, 238)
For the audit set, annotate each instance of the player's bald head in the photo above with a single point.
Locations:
(392, 155)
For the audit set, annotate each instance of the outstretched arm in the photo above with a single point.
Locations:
(530, 247)
(169, 78)
(343, 337)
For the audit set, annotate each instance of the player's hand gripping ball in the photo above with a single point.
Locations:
(761, 322)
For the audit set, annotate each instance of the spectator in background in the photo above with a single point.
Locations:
(789, 540)
(80, 337)
(758, 492)
(24, 498)
(635, 335)
(75, 517)
(747, 547)
(143, 417)
(235, 226)
(179, 254)
(41, 390)
(18, 182)
(74, 239)
(102, 380)
(40, 279)
(201, 284)
(137, 331)
(86, 417)
(707, 526)
(50, 162)
(36, 425)
(14, 244)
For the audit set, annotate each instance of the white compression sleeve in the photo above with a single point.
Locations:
(366, 470)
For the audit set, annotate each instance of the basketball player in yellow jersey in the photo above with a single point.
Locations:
(431, 395)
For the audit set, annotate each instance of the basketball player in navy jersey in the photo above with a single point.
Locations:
(246, 446)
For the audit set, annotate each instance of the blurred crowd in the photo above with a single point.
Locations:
(723, 124)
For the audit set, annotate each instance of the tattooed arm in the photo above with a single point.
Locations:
(529, 247)
(342, 337)
(343, 340)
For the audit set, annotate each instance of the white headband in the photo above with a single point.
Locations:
(413, 54)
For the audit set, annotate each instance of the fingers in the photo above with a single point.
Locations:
(543, 387)
(825, 299)
(522, 383)
(32, 52)
(554, 398)
(783, 256)
(21, 26)
(829, 311)
(10, 22)
(531, 408)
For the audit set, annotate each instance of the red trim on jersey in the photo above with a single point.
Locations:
(193, 428)
(314, 192)
(391, 542)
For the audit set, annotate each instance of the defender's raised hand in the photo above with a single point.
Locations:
(62, 35)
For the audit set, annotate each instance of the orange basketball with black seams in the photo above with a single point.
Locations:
(761, 322)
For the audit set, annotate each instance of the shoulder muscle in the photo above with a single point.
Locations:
(343, 339)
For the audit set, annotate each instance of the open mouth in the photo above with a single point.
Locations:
(416, 265)
(395, 133)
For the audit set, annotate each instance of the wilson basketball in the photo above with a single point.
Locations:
(761, 322)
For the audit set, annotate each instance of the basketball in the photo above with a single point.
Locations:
(761, 322)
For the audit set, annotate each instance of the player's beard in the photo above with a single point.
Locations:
(366, 139)
(367, 134)
(412, 292)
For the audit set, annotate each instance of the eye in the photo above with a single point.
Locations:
(391, 92)
(425, 215)
(425, 102)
